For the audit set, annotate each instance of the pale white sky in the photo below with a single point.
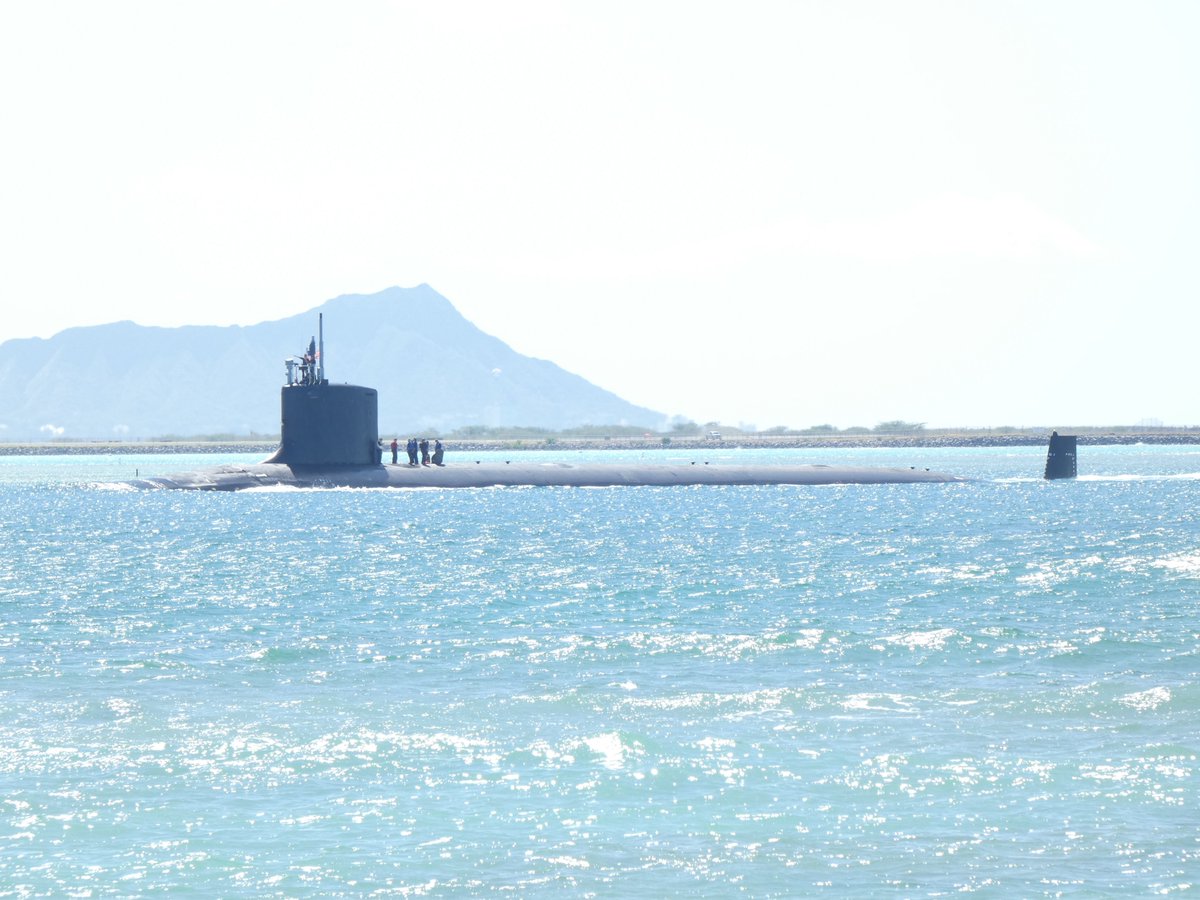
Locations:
(758, 213)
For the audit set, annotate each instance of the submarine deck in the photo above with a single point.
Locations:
(527, 474)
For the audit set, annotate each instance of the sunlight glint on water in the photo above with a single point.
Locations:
(918, 689)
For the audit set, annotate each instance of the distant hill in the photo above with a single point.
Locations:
(434, 371)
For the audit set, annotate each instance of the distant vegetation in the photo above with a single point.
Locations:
(518, 435)
(513, 432)
(689, 429)
(682, 428)
(899, 426)
(252, 437)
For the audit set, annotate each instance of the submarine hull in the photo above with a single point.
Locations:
(531, 474)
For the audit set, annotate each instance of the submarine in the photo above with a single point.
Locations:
(329, 437)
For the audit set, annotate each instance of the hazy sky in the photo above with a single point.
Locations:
(758, 213)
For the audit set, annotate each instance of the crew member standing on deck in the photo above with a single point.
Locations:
(395, 451)
(424, 445)
(411, 448)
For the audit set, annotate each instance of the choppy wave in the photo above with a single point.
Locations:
(859, 690)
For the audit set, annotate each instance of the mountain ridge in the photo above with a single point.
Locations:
(434, 370)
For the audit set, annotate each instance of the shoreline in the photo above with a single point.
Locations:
(780, 442)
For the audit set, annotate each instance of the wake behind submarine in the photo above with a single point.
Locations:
(329, 437)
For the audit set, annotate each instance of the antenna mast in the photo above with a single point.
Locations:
(321, 348)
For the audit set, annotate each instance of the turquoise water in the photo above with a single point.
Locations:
(908, 690)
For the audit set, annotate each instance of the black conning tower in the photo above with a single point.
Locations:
(325, 424)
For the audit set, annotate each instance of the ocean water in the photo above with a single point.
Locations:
(904, 690)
